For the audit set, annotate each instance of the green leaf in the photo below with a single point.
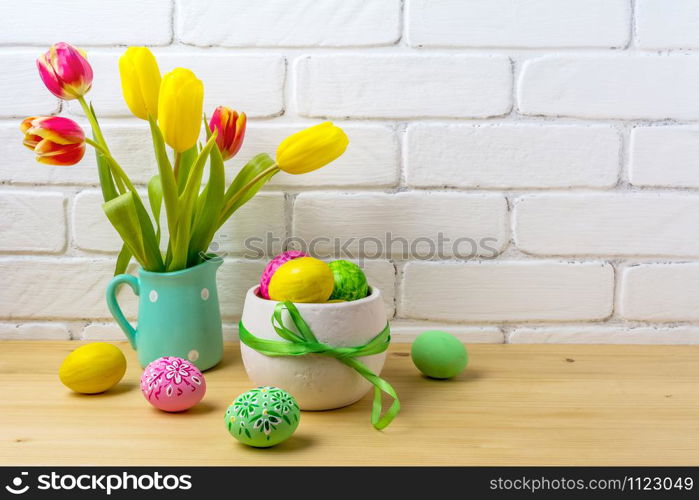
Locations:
(167, 178)
(129, 217)
(208, 209)
(252, 169)
(168, 255)
(155, 197)
(186, 203)
(207, 128)
(121, 212)
(105, 174)
(153, 254)
(187, 159)
(123, 260)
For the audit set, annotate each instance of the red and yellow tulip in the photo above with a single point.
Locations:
(65, 71)
(55, 140)
(231, 130)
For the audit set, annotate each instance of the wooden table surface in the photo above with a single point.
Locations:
(514, 405)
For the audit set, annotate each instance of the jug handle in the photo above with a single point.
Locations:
(113, 305)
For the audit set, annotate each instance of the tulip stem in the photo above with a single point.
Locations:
(93, 123)
(118, 172)
(101, 146)
(117, 180)
(241, 192)
(176, 168)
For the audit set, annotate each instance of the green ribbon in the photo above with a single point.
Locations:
(305, 342)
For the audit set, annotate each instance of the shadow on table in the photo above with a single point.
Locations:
(298, 441)
(229, 358)
(118, 389)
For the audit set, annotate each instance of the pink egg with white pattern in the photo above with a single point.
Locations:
(272, 267)
(172, 384)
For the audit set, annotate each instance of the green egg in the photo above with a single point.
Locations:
(263, 417)
(438, 354)
(350, 281)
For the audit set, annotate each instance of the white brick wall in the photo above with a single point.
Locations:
(662, 24)
(326, 217)
(403, 86)
(513, 23)
(611, 86)
(664, 156)
(561, 134)
(660, 292)
(511, 156)
(43, 22)
(507, 291)
(608, 224)
(289, 23)
(603, 334)
(32, 221)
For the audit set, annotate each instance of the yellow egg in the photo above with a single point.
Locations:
(302, 280)
(93, 368)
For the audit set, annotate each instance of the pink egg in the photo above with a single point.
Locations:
(272, 267)
(172, 384)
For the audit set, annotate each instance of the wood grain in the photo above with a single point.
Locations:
(514, 405)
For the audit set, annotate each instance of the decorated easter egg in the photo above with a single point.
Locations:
(350, 281)
(438, 354)
(172, 384)
(272, 267)
(93, 368)
(263, 417)
(302, 280)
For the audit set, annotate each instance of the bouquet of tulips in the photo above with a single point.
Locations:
(172, 105)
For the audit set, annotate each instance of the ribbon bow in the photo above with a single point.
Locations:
(305, 342)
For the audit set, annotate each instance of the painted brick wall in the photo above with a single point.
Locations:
(565, 131)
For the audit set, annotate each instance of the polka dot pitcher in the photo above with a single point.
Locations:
(178, 314)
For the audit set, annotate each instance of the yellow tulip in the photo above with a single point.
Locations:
(140, 81)
(180, 108)
(311, 148)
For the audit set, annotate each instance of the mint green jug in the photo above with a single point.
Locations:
(178, 314)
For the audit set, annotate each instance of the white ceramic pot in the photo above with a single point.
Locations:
(317, 382)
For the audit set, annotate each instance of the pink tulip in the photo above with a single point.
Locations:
(54, 139)
(231, 130)
(65, 71)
